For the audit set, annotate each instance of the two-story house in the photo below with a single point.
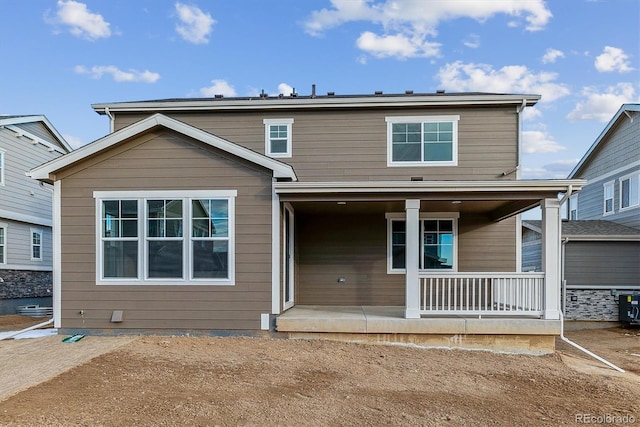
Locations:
(26, 260)
(601, 236)
(355, 216)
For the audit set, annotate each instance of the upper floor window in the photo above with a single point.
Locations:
(573, 207)
(1, 167)
(422, 141)
(629, 191)
(3, 244)
(36, 245)
(437, 242)
(278, 137)
(166, 237)
(608, 198)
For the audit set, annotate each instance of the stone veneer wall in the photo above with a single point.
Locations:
(25, 284)
(593, 304)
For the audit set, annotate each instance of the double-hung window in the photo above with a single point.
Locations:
(278, 137)
(438, 248)
(422, 141)
(608, 198)
(3, 244)
(573, 207)
(36, 245)
(166, 237)
(629, 191)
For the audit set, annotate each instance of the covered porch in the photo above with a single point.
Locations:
(344, 278)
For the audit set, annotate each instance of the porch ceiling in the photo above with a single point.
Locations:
(495, 199)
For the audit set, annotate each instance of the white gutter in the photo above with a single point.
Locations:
(30, 328)
(111, 119)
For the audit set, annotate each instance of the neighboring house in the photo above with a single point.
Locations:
(352, 215)
(26, 260)
(601, 260)
(612, 168)
(601, 237)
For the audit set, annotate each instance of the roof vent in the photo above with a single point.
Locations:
(263, 94)
(417, 178)
(218, 95)
(313, 90)
(440, 91)
(378, 92)
(408, 92)
(331, 93)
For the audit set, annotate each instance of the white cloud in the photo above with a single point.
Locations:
(81, 21)
(472, 41)
(555, 170)
(613, 59)
(195, 25)
(537, 142)
(118, 75)
(602, 106)
(407, 24)
(218, 87)
(531, 113)
(399, 45)
(285, 89)
(551, 56)
(461, 77)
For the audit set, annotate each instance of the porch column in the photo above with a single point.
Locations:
(412, 259)
(551, 257)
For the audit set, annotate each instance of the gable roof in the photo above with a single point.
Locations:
(624, 111)
(590, 230)
(45, 171)
(12, 122)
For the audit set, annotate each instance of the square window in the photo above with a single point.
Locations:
(278, 137)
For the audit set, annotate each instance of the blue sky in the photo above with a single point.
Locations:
(582, 56)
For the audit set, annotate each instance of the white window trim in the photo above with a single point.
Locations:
(573, 206)
(267, 138)
(624, 178)
(4, 227)
(2, 167)
(40, 233)
(612, 185)
(393, 216)
(185, 196)
(422, 119)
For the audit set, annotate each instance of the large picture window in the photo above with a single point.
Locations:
(422, 141)
(164, 237)
(437, 243)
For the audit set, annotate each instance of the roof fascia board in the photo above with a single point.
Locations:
(533, 186)
(584, 160)
(601, 238)
(325, 102)
(279, 169)
(37, 118)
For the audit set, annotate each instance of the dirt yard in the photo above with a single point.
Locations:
(182, 381)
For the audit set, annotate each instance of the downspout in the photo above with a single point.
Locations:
(562, 337)
(30, 328)
(111, 119)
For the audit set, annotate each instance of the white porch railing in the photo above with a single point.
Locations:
(478, 294)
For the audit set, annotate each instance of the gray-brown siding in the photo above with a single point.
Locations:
(354, 246)
(166, 161)
(352, 145)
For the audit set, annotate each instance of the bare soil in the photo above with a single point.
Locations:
(206, 381)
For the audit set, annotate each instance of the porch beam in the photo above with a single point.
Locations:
(551, 257)
(412, 259)
(512, 209)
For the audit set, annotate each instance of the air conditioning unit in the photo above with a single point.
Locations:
(629, 306)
